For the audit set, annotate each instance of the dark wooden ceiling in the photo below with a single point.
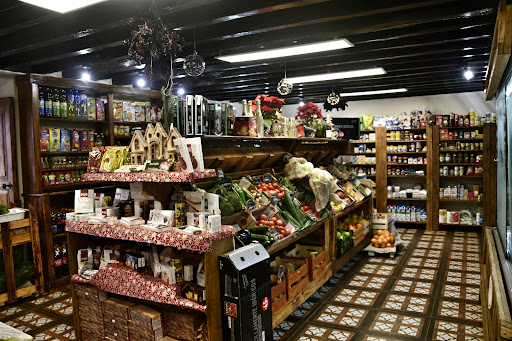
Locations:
(423, 45)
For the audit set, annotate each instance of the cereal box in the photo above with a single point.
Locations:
(140, 111)
(45, 139)
(118, 112)
(84, 140)
(100, 110)
(75, 141)
(129, 111)
(90, 142)
(65, 140)
(91, 110)
(54, 140)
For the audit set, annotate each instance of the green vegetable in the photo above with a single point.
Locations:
(226, 209)
(238, 190)
(291, 219)
(4, 209)
(286, 183)
(260, 238)
(234, 200)
(290, 207)
(248, 195)
(260, 229)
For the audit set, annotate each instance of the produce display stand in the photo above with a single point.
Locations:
(432, 180)
(45, 199)
(14, 233)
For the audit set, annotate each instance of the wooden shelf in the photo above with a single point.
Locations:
(465, 140)
(462, 127)
(406, 199)
(132, 123)
(64, 153)
(411, 222)
(282, 244)
(461, 176)
(63, 169)
(121, 137)
(62, 234)
(44, 120)
(406, 176)
(362, 142)
(460, 225)
(70, 185)
(462, 201)
(363, 164)
(460, 164)
(406, 164)
(160, 177)
(446, 150)
(406, 153)
(406, 141)
(364, 153)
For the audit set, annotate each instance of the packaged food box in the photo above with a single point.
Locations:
(44, 140)
(84, 140)
(100, 110)
(129, 111)
(118, 111)
(140, 111)
(91, 110)
(65, 140)
(55, 140)
(75, 141)
(90, 142)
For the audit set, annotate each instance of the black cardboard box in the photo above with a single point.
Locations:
(245, 290)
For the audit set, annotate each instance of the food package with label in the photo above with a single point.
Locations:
(113, 158)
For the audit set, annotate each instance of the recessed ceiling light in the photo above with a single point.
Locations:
(86, 76)
(140, 67)
(374, 92)
(468, 74)
(181, 91)
(337, 75)
(141, 82)
(62, 6)
(288, 51)
(301, 103)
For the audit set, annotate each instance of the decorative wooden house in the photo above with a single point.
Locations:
(154, 145)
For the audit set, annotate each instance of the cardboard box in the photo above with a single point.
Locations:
(145, 324)
(246, 293)
(383, 221)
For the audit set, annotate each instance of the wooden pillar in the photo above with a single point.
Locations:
(433, 178)
(381, 178)
(490, 175)
(109, 116)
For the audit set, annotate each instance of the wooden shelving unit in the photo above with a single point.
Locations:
(44, 199)
(432, 177)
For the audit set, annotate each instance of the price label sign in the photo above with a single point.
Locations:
(274, 198)
(227, 182)
(256, 180)
(267, 178)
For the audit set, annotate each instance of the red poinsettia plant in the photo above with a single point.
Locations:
(309, 111)
(270, 106)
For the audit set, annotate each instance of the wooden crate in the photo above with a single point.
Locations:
(298, 280)
(279, 296)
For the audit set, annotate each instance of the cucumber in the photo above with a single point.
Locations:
(260, 238)
(247, 195)
(286, 215)
(263, 229)
(290, 207)
(238, 190)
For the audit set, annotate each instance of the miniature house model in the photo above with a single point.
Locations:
(155, 144)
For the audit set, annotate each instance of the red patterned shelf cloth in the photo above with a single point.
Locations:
(151, 176)
(121, 280)
(202, 242)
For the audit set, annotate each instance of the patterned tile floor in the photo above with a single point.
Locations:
(46, 317)
(429, 292)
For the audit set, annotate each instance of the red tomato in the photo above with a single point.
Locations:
(309, 210)
(281, 236)
(279, 222)
(274, 219)
(258, 224)
(288, 232)
(271, 223)
(280, 195)
(263, 217)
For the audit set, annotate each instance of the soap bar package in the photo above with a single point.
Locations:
(54, 140)
(75, 141)
(84, 201)
(91, 110)
(44, 140)
(100, 110)
(65, 140)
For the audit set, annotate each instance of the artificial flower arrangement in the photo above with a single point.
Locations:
(312, 119)
(270, 106)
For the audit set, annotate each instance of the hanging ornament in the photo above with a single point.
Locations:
(333, 98)
(284, 87)
(194, 64)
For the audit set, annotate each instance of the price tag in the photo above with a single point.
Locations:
(267, 178)
(227, 182)
(274, 198)
(220, 173)
(256, 180)
(295, 193)
(218, 191)
(287, 158)
(251, 205)
(311, 216)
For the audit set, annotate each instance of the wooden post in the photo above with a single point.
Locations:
(36, 248)
(490, 175)
(433, 177)
(109, 115)
(213, 295)
(381, 178)
(8, 263)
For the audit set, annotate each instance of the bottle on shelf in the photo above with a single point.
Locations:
(41, 102)
(56, 103)
(76, 96)
(249, 109)
(244, 108)
(71, 104)
(83, 105)
(57, 262)
(63, 104)
(64, 259)
(53, 225)
(259, 119)
(48, 105)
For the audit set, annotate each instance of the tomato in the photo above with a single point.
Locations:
(271, 223)
(281, 236)
(279, 222)
(263, 217)
(259, 224)
(280, 195)
(288, 232)
(274, 219)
